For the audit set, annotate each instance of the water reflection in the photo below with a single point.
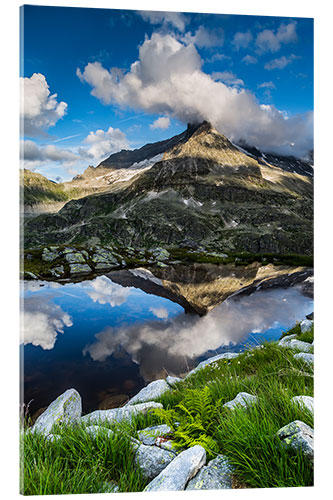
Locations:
(104, 291)
(171, 345)
(108, 340)
(42, 321)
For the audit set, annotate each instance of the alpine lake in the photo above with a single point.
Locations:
(110, 335)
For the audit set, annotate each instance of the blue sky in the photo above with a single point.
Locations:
(124, 78)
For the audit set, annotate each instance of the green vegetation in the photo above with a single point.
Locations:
(241, 258)
(248, 437)
(38, 189)
(78, 463)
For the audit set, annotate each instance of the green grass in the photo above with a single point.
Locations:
(248, 437)
(80, 464)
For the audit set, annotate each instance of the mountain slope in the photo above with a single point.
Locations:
(203, 192)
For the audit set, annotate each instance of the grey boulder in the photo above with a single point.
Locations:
(285, 340)
(119, 414)
(216, 475)
(79, 268)
(152, 460)
(305, 356)
(172, 380)
(66, 409)
(296, 344)
(150, 392)
(177, 474)
(306, 325)
(74, 257)
(242, 399)
(148, 436)
(298, 436)
(304, 401)
(209, 361)
(98, 430)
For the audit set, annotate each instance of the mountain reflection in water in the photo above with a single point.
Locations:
(107, 340)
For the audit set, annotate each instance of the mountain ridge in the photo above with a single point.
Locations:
(203, 191)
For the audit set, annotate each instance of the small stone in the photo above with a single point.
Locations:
(167, 444)
(310, 316)
(57, 271)
(298, 436)
(109, 487)
(304, 401)
(177, 474)
(216, 475)
(104, 266)
(66, 409)
(209, 361)
(95, 430)
(306, 325)
(148, 436)
(152, 460)
(119, 414)
(296, 344)
(74, 257)
(48, 256)
(150, 392)
(242, 399)
(287, 339)
(172, 380)
(79, 269)
(305, 356)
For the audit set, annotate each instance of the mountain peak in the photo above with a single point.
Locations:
(194, 127)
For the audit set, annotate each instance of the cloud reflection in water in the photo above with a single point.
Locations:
(169, 344)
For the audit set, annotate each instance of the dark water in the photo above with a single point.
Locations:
(108, 341)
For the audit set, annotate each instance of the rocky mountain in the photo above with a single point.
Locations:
(196, 190)
(39, 194)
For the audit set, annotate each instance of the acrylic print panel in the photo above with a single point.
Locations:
(167, 251)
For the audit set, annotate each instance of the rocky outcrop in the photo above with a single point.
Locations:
(152, 460)
(119, 414)
(177, 474)
(149, 435)
(305, 356)
(149, 393)
(203, 189)
(298, 436)
(214, 359)
(293, 343)
(66, 409)
(243, 399)
(304, 402)
(216, 475)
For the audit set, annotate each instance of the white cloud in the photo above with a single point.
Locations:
(31, 152)
(167, 79)
(41, 322)
(103, 143)
(205, 38)
(104, 291)
(280, 63)
(227, 77)
(169, 344)
(161, 122)
(159, 312)
(270, 41)
(241, 40)
(266, 85)
(248, 59)
(175, 19)
(39, 109)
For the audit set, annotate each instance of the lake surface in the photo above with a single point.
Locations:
(108, 341)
